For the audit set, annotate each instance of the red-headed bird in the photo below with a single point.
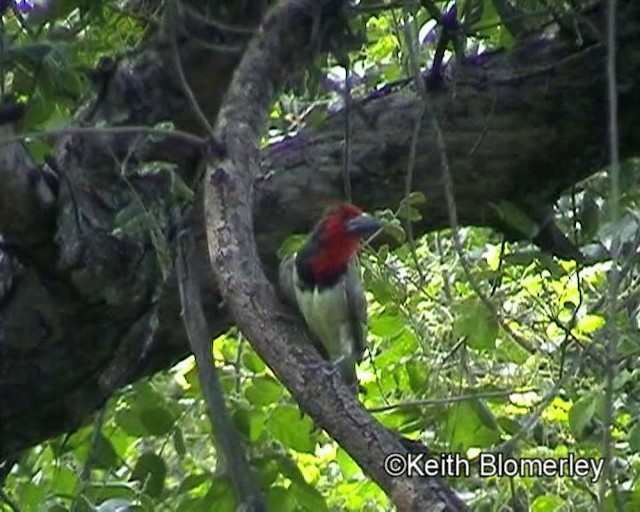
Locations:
(322, 280)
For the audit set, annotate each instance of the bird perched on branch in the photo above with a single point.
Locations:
(322, 280)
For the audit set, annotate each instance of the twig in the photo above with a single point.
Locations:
(452, 210)
(611, 346)
(485, 128)
(346, 158)
(445, 401)
(410, 41)
(195, 325)
(189, 138)
(186, 88)
(85, 474)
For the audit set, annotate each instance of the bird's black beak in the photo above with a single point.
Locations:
(364, 225)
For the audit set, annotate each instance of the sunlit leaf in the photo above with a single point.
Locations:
(465, 429)
(547, 503)
(308, 497)
(477, 323)
(264, 390)
(287, 424)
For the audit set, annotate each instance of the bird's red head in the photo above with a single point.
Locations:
(337, 238)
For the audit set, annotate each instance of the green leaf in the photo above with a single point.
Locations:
(32, 53)
(475, 322)
(634, 438)
(98, 492)
(465, 429)
(132, 219)
(290, 469)
(221, 496)
(316, 116)
(589, 324)
(104, 454)
(547, 503)
(193, 481)
(395, 230)
(386, 325)
(381, 289)
(130, 422)
(264, 390)
(581, 414)
(38, 111)
(408, 211)
(506, 40)
(510, 351)
(157, 421)
(294, 431)
(256, 424)
(179, 189)
(308, 497)
(39, 149)
(418, 375)
(64, 481)
(472, 12)
(252, 362)
(150, 471)
(178, 442)
(31, 495)
(485, 415)
(348, 466)
(416, 198)
(590, 214)
(280, 499)
(509, 425)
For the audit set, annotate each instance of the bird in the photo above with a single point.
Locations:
(322, 282)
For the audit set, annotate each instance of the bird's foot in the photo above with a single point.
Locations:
(334, 366)
(330, 368)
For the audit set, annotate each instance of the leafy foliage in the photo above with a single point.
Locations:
(492, 348)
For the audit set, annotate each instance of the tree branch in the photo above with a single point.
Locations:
(198, 334)
(276, 337)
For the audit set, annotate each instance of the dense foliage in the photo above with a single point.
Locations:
(480, 346)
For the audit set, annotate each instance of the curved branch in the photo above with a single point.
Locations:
(243, 284)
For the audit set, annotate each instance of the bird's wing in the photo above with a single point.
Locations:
(357, 307)
(286, 279)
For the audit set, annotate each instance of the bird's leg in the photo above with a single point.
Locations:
(344, 365)
(334, 366)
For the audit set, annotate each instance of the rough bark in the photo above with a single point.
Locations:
(100, 312)
(283, 44)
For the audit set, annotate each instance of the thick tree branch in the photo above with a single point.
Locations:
(252, 300)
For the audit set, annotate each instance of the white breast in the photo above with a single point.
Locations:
(325, 312)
